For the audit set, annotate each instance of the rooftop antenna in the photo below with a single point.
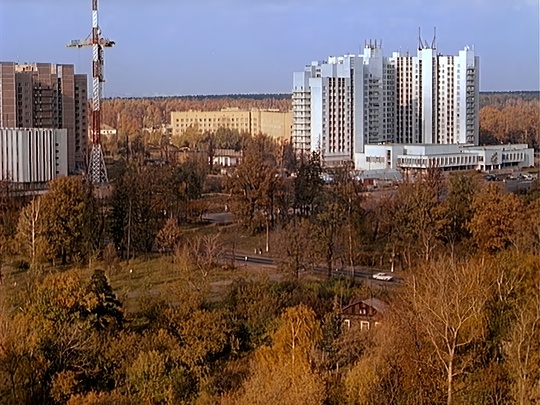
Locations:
(420, 44)
(434, 42)
(96, 167)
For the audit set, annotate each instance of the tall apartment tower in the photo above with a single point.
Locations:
(43, 95)
(323, 108)
(346, 102)
(437, 97)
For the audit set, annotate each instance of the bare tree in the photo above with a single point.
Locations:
(295, 247)
(449, 302)
(28, 230)
(523, 348)
(212, 248)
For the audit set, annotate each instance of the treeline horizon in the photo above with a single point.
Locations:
(258, 96)
(505, 117)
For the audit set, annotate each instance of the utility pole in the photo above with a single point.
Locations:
(97, 171)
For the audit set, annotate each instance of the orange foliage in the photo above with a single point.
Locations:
(133, 114)
(511, 121)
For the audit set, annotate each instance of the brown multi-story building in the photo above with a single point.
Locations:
(43, 95)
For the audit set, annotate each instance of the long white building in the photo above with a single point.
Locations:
(31, 157)
(344, 103)
(447, 157)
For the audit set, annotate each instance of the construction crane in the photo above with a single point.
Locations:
(97, 171)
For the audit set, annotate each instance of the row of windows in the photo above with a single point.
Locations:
(512, 156)
(211, 125)
(214, 120)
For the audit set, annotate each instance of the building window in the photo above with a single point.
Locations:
(364, 325)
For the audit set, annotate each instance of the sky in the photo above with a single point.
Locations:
(197, 47)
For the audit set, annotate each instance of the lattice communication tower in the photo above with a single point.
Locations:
(97, 171)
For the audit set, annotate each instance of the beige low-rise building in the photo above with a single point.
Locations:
(107, 130)
(273, 123)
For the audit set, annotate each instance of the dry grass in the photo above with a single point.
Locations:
(156, 273)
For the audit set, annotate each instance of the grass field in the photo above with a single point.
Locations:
(154, 274)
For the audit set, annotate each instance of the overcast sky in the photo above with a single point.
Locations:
(185, 47)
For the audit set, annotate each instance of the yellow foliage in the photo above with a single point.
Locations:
(361, 381)
(101, 398)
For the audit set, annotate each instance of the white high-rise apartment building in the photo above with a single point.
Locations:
(31, 157)
(324, 106)
(346, 102)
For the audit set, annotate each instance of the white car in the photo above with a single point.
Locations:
(383, 277)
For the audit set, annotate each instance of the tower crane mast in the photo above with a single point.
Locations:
(97, 171)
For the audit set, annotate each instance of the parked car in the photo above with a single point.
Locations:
(383, 277)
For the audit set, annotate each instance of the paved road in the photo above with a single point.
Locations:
(514, 186)
(218, 218)
(360, 272)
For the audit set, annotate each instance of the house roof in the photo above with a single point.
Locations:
(380, 306)
(375, 303)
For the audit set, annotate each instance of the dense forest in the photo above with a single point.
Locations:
(130, 115)
(79, 326)
(507, 117)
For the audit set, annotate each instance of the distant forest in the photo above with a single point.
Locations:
(504, 116)
(500, 97)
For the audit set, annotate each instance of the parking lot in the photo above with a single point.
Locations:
(513, 182)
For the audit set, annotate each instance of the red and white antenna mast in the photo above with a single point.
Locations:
(96, 165)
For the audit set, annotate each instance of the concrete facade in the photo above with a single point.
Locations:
(42, 95)
(344, 103)
(273, 123)
(33, 156)
(445, 156)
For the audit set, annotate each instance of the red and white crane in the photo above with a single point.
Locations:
(97, 171)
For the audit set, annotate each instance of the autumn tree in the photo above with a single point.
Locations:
(148, 378)
(295, 246)
(347, 192)
(413, 218)
(70, 221)
(253, 186)
(282, 372)
(56, 351)
(175, 187)
(22, 364)
(128, 115)
(256, 304)
(10, 206)
(338, 220)
(308, 185)
(168, 238)
(110, 257)
(513, 120)
(146, 197)
(29, 230)
(523, 349)
(227, 138)
(327, 225)
(457, 210)
(496, 218)
(514, 321)
(449, 300)
(391, 364)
